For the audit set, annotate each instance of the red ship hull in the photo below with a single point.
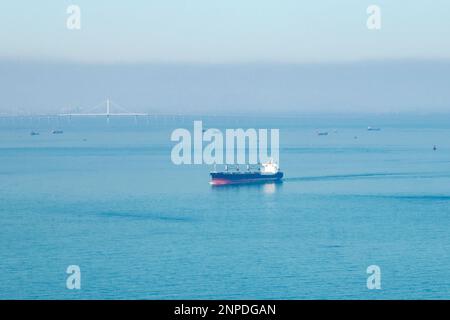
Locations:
(226, 178)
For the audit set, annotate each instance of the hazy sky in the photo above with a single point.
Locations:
(226, 56)
(216, 31)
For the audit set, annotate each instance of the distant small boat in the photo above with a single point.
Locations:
(373, 129)
(434, 148)
(57, 132)
(210, 130)
(322, 133)
(34, 133)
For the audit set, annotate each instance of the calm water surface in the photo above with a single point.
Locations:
(109, 199)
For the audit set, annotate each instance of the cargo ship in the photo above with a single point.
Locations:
(267, 172)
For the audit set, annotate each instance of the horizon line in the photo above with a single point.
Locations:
(68, 61)
(235, 114)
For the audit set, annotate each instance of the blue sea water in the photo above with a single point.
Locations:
(108, 198)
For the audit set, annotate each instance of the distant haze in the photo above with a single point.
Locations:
(224, 31)
(219, 57)
(362, 87)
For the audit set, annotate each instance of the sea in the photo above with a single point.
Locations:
(106, 197)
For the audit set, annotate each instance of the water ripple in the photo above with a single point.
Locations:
(145, 216)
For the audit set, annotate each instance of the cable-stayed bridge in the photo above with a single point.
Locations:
(110, 110)
(106, 108)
